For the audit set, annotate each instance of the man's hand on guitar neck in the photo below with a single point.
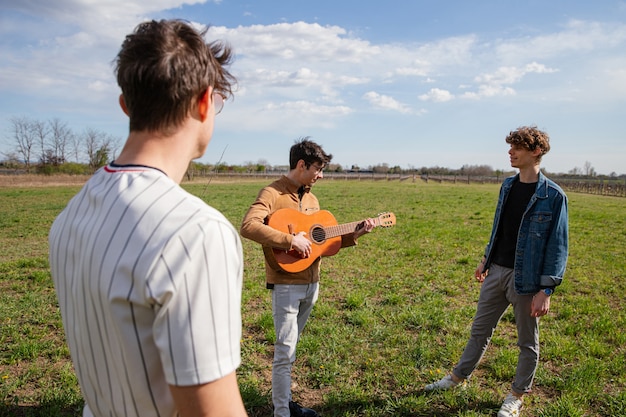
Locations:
(365, 226)
(301, 244)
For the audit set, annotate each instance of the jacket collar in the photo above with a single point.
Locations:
(294, 188)
(542, 186)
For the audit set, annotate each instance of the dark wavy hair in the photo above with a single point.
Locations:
(309, 151)
(163, 66)
(530, 138)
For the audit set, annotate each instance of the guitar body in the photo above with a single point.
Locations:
(321, 229)
(293, 222)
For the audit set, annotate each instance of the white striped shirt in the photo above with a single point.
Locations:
(149, 280)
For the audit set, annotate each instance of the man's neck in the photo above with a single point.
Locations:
(530, 174)
(292, 176)
(164, 153)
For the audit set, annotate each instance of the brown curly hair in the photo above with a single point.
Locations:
(530, 138)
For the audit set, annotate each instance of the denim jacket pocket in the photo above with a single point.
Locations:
(539, 224)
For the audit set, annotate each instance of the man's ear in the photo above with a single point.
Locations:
(123, 105)
(204, 104)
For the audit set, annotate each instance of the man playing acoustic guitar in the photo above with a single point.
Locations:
(293, 293)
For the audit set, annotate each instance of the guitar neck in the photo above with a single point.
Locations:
(342, 229)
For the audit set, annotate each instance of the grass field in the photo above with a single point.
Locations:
(394, 312)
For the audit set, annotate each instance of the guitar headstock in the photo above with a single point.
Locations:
(386, 219)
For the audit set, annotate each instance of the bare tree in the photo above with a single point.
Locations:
(381, 168)
(476, 170)
(262, 165)
(575, 171)
(334, 168)
(589, 170)
(11, 160)
(250, 166)
(99, 147)
(24, 138)
(74, 144)
(41, 132)
(91, 141)
(61, 136)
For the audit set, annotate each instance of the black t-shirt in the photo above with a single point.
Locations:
(510, 220)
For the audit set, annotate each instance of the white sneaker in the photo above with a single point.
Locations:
(444, 383)
(510, 407)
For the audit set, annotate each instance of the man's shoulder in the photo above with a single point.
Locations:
(281, 184)
(552, 185)
(508, 182)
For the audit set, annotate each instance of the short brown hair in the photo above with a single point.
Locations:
(309, 151)
(530, 138)
(162, 66)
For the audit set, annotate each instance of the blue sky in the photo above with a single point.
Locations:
(416, 83)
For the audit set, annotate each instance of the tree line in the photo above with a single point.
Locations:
(53, 147)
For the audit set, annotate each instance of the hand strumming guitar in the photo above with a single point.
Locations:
(301, 244)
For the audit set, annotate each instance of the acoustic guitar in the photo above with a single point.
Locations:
(321, 229)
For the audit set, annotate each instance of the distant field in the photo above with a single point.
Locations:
(394, 312)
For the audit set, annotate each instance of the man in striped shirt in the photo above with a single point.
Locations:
(149, 277)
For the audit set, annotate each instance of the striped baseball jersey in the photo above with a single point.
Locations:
(148, 279)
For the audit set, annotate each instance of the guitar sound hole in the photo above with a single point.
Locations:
(318, 234)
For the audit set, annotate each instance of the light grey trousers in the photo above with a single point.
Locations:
(291, 308)
(496, 294)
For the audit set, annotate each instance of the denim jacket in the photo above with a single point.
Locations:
(542, 241)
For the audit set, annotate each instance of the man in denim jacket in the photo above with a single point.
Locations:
(524, 261)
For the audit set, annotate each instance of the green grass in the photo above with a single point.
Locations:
(394, 312)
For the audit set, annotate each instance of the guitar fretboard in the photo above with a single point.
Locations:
(344, 229)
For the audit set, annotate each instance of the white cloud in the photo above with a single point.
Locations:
(512, 75)
(293, 117)
(415, 72)
(306, 107)
(106, 10)
(437, 95)
(452, 51)
(385, 102)
(498, 83)
(489, 91)
(577, 37)
(297, 41)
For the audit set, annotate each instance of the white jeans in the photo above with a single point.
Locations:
(291, 307)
